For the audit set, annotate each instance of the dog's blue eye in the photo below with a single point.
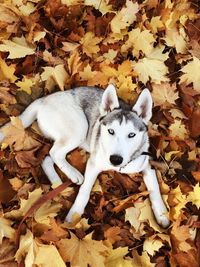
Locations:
(111, 131)
(131, 135)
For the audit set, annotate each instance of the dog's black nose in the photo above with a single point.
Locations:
(116, 160)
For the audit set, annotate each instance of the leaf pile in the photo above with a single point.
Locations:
(52, 45)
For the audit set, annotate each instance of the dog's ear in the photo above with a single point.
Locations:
(109, 100)
(143, 106)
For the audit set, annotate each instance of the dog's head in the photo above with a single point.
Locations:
(123, 133)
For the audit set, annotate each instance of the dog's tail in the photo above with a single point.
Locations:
(27, 117)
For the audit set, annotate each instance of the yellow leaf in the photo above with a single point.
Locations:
(5, 229)
(103, 7)
(191, 73)
(48, 256)
(178, 202)
(146, 214)
(17, 48)
(169, 155)
(141, 261)
(156, 24)
(25, 85)
(87, 73)
(132, 215)
(7, 72)
(58, 74)
(177, 113)
(150, 68)
(164, 94)
(82, 252)
(46, 211)
(125, 17)
(126, 88)
(26, 249)
(116, 258)
(139, 41)
(74, 63)
(194, 196)
(90, 44)
(27, 9)
(38, 35)
(152, 245)
(175, 39)
(16, 136)
(177, 129)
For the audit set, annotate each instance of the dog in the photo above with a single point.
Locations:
(114, 133)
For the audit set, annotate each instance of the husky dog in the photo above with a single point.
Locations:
(114, 133)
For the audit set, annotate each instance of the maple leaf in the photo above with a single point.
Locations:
(141, 261)
(125, 17)
(82, 252)
(132, 215)
(191, 73)
(164, 94)
(71, 2)
(55, 75)
(25, 85)
(151, 245)
(178, 201)
(16, 136)
(17, 48)
(156, 24)
(6, 97)
(116, 258)
(87, 73)
(7, 72)
(5, 229)
(74, 63)
(26, 249)
(177, 129)
(90, 44)
(139, 41)
(175, 39)
(103, 7)
(194, 196)
(113, 234)
(46, 211)
(152, 67)
(48, 256)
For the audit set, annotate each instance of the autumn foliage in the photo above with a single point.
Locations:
(52, 45)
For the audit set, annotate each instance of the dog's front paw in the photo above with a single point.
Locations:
(72, 214)
(163, 220)
(76, 177)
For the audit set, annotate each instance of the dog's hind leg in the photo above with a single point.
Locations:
(58, 153)
(48, 168)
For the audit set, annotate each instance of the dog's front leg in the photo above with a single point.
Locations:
(83, 196)
(158, 206)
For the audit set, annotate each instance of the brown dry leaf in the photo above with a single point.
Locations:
(82, 252)
(55, 233)
(112, 234)
(16, 136)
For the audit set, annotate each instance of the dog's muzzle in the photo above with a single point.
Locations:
(116, 160)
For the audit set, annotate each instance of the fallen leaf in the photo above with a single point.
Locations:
(89, 251)
(5, 229)
(17, 48)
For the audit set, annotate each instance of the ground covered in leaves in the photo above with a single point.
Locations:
(46, 46)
